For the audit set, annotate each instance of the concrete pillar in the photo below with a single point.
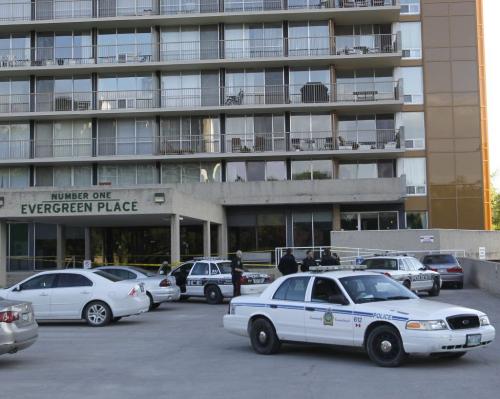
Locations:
(207, 245)
(61, 247)
(336, 217)
(222, 239)
(87, 243)
(175, 239)
(3, 254)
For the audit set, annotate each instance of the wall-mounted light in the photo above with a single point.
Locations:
(2, 202)
(159, 198)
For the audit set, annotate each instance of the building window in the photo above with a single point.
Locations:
(15, 95)
(126, 137)
(312, 228)
(308, 38)
(126, 91)
(413, 124)
(73, 93)
(190, 89)
(417, 220)
(410, 6)
(14, 48)
(64, 48)
(367, 131)
(63, 139)
(14, 177)
(14, 141)
(311, 132)
(190, 173)
(413, 85)
(256, 171)
(310, 85)
(63, 176)
(191, 134)
(125, 45)
(253, 40)
(369, 220)
(367, 170)
(415, 171)
(254, 86)
(255, 133)
(411, 39)
(312, 170)
(127, 175)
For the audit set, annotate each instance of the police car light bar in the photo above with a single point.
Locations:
(333, 268)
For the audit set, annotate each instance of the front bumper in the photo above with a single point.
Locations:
(235, 324)
(446, 341)
(166, 294)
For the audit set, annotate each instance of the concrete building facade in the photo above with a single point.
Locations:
(138, 131)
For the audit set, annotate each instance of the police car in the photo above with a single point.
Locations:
(356, 309)
(211, 278)
(406, 270)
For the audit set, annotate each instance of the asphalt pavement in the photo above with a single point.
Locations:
(182, 351)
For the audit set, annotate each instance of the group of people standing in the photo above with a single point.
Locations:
(288, 265)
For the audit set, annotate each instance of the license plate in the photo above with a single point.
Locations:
(258, 280)
(473, 340)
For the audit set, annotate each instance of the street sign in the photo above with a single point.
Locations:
(87, 264)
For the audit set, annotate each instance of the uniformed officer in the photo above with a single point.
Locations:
(236, 272)
(328, 260)
(308, 261)
(287, 264)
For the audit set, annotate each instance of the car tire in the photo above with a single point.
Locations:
(116, 319)
(436, 288)
(263, 337)
(97, 314)
(151, 301)
(213, 295)
(407, 284)
(385, 346)
(156, 306)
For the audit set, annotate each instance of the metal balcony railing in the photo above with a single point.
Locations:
(307, 93)
(43, 10)
(367, 140)
(197, 50)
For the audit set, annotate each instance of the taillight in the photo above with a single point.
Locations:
(165, 283)
(134, 291)
(456, 269)
(433, 269)
(269, 279)
(8, 317)
(244, 280)
(387, 274)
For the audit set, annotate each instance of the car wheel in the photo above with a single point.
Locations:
(156, 306)
(116, 319)
(407, 284)
(385, 347)
(151, 302)
(97, 314)
(435, 288)
(213, 295)
(263, 337)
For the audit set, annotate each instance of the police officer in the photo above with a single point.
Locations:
(287, 264)
(328, 260)
(308, 261)
(236, 272)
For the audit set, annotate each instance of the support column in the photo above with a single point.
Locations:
(61, 247)
(175, 239)
(336, 217)
(87, 243)
(207, 245)
(3, 254)
(222, 239)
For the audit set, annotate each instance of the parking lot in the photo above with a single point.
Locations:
(181, 350)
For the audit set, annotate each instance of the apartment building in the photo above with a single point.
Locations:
(135, 131)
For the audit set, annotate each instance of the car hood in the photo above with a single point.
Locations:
(418, 309)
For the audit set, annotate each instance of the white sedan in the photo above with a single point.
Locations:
(95, 296)
(359, 310)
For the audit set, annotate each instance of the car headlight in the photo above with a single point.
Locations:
(427, 325)
(484, 320)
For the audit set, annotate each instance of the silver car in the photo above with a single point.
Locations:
(18, 328)
(158, 288)
(447, 266)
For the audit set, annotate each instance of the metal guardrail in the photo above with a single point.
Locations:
(126, 53)
(369, 140)
(44, 10)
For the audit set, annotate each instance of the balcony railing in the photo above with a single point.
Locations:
(42, 10)
(196, 50)
(369, 140)
(308, 93)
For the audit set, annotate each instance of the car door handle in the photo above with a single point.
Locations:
(85, 292)
(310, 309)
(273, 306)
(44, 294)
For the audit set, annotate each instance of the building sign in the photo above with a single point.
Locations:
(426, 239)
(70, 203)
(482, 253)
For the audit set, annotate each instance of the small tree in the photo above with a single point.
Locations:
(495, 205)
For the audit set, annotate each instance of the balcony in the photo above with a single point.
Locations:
(242, 144)
(143, 53)
(47, 10)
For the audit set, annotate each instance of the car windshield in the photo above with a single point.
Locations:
(439, 260)
(108, 276)
(381, 264)
(376, 288)
(224, 267)
(143, 271)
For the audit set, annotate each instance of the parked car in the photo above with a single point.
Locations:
(408, 271)
(211, 278)
(356, 309)
(95, 296)
(18, 328)
(159, 288)
(447, 266)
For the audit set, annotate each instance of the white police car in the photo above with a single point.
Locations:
(406, 270)
(356, 309)
(211, 278)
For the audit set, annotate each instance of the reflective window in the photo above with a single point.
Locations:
(414, 170)
(411, 39)
(413, 124)
(410, 6)
(67, 280)
(413, 86)
(14, 141)
(253, 40)
(416, 220)
(125, 45)
(312, 170)
(308, 38)
(39, 282)
(369, 220)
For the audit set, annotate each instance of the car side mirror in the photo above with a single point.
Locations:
(423, 268)
(17, 288)
(338, 299)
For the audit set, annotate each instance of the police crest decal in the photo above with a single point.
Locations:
(328, 319)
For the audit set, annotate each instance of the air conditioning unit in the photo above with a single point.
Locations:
(406, 53)
(122, 58)
(408, 98)
(126, 103)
